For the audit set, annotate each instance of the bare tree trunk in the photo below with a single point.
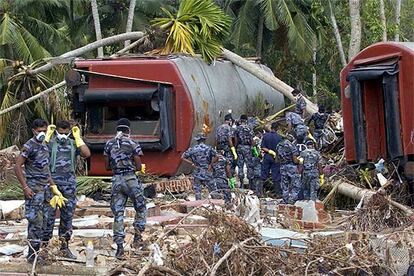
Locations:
(314, 77)
(87, 48)
(130, 20)
(97, 23)
(264, 76)
(397, 20)
(337, 35)
(383, 20)
(259, 42)
(355, 40)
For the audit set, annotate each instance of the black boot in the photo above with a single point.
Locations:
(119, 251)
(65, 251)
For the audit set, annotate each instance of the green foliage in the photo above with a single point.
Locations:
(197, 25)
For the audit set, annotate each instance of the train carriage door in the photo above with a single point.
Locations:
(375, 109)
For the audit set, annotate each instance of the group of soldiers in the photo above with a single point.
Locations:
(292, 161)
(49, 181)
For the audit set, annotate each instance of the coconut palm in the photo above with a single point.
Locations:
(198, 25)
(253, 17)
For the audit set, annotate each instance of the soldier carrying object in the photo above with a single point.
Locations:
(63, 153)
(123, 157)
(244, 141)
(312, 171)
(35, 183)
(290, 178)
(270, 164)
(300, 105)
(224, 141)
(221, 176)
(319, 120)
(201, 156)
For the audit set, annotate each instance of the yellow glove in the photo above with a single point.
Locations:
(77, 135)
(310, 136)
(58, 199)
(300, 159)
(272, 153)
(49, 133)
(321, 180)
(143, 168)
(233, 150)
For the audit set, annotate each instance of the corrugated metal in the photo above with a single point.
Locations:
(219, 87)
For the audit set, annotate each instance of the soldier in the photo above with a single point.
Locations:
(123, 157)
(63, 154)
(270, 164)
(255, 180)
(244, 140)
(35, 183)
(296, 123)
(221, 175)
(200, 156)
(224, 141)
(312, 172)
(290, 178)
(319, 120)
(300, 105)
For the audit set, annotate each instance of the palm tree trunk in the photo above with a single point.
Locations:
(130, 20)
(97, 23)
(87, 48)
(397, 19)
(337, 35)
(383, 20)
(314, 77)
(264, 76)
(355, 17)
(259, 41)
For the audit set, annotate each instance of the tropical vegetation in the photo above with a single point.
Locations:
(304, 42)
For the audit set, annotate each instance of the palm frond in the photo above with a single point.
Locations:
(7, 30)
(244, 26)
(269, 8)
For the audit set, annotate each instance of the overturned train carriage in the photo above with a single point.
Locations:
(377, 102)
(167, 100)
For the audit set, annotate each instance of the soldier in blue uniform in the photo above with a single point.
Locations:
(255, 180)
(269, 143)
(312, 172)
(123, 157)
(221, 176)
(290, 178)
(300, 105)
(63, 153)
(201, 156)
(244, 141)
(319, 120)
(225, 141)
(296, 123)
(35, 183)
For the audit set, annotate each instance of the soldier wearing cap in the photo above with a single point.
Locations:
(225, 141)
(123, 157)
(311, 169)
(244, 141)
(201, 156)
(63, 153)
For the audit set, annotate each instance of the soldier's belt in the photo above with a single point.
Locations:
(124, 173)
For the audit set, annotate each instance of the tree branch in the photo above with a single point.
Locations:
(87, 48)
